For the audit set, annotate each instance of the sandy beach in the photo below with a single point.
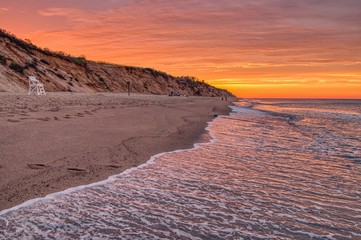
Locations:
(54, 142)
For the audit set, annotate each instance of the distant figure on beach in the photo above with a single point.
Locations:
(174, 94)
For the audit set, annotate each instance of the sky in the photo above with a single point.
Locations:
(253, 48)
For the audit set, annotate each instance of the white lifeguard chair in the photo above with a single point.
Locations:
(35, 86)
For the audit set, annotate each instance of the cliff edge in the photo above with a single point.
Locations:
(62, 72)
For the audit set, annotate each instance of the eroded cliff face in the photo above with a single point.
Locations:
(61, 72)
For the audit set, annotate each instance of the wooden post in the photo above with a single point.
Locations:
(128, 84)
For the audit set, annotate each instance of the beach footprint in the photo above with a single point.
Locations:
(104, 167)
(76, 170)
(13, 120)
(36, 166)
(109, 166)
(112, 166)
(43, 119)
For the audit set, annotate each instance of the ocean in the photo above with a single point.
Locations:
(272, 169)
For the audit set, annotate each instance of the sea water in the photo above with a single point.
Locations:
(274, 169)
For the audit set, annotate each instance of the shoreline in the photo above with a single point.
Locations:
(150, 161)
(67, 140)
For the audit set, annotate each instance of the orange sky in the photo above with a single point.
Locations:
(258, 48)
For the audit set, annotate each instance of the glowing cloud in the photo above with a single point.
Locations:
(3, 10)
(260, 46)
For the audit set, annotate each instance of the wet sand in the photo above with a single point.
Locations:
(62, 140)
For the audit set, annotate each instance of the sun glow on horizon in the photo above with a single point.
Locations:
(255, 48)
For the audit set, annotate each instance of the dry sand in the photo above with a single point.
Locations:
(54, 142)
